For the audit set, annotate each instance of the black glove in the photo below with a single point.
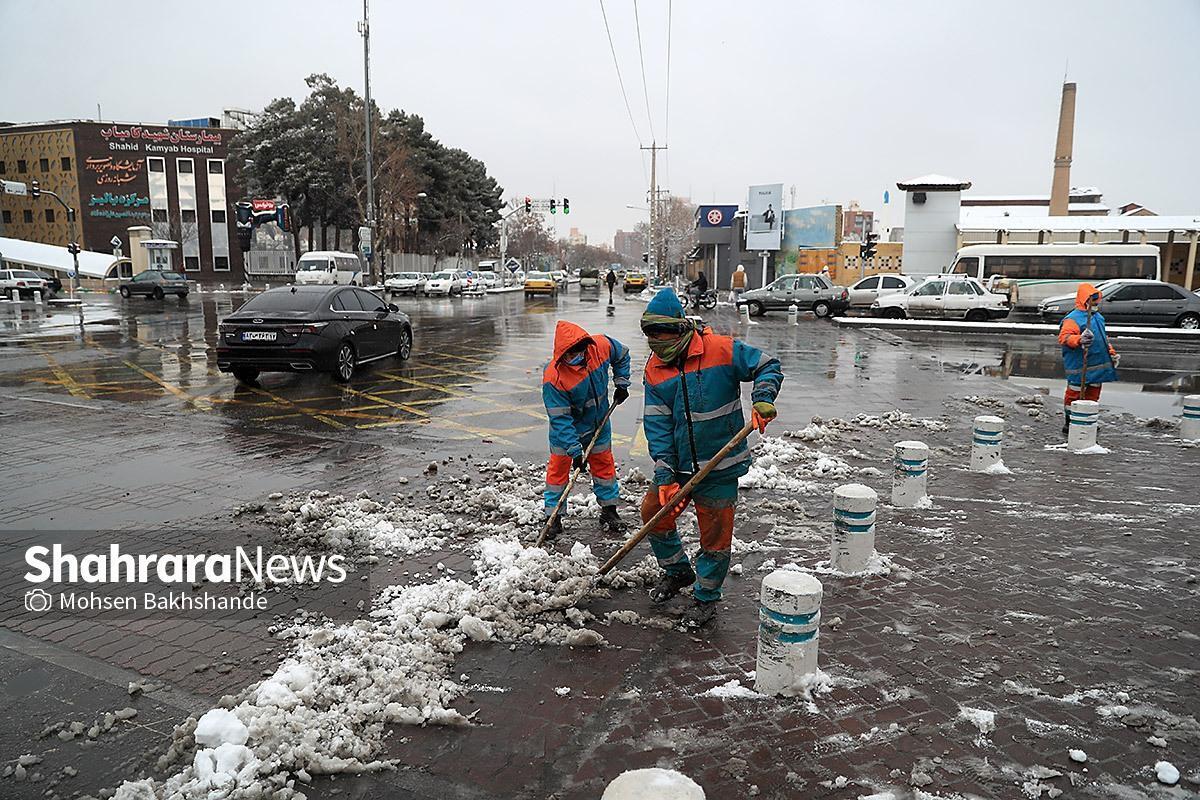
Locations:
(578, 463)
(620, 395)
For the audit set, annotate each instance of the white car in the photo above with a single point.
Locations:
(560, 278)
(944, 297)
(486, 280)
(25, 281)
(864, 293)
(449, 282)
(404, 282)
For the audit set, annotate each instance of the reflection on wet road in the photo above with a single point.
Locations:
(476, 368)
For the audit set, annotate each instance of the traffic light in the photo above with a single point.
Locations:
(868, 247)
(528, 205)
(73, 249)
(553, 206)
(566, 206)
(646, 257)
(35, 190)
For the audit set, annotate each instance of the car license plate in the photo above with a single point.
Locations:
(259, 336)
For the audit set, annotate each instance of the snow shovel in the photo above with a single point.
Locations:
(679, 497)
(562, 501)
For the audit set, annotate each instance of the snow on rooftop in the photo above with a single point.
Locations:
(1019, 210)
(933, 179)
(978, 222)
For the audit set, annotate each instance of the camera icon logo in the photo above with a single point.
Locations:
(38, 600)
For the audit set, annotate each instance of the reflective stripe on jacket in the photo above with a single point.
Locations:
(576, 397)
(693, 413)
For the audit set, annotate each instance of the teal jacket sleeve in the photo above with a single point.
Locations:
(619, 359)
(752, 364)
(563, 438)
(658, 420)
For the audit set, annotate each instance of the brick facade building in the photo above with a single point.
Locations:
(171, 178)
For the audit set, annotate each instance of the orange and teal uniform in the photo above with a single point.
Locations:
(1100, 354)
(576, 399)
(693, 407)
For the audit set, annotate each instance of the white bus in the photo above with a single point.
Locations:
(329, 267)
(1029, 273)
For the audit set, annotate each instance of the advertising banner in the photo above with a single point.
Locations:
(764, 220)
(811, 228)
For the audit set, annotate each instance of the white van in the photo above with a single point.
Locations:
(329, 267)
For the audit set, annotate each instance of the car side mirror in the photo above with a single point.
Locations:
(393, 307)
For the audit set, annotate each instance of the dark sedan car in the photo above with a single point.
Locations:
(1135, 302)
(311, 328)
(155, 283)
(53, 283)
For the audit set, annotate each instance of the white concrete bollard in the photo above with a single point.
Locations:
(987, 439)
(1085, 418)
(853, 541)
(653, 783)
(16, 296)
(744, 312)
(789, 619)
(1189, 427)
(911, 469)
(266, 287)
(37, 296)
(793, 315)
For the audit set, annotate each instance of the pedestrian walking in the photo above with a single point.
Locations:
(1089, 360)
(693, 408)
(737, 284)
(611, 280)
(575, 392)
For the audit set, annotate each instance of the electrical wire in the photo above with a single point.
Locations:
(667, 111)
(620, 80)
(645, 92)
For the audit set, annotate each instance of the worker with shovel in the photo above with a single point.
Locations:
(693, 411)
(575, 391)
(1089, 360)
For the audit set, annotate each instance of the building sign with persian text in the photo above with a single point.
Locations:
(140, 139)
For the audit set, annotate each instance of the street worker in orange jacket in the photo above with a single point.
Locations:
(693, 386)
(1083, 332)
(575, 392)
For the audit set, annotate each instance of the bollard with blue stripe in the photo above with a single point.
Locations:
(789, 619)
(910, 473)
(1189, 426)
(987, 438)
(853, 541)
(1085, 419)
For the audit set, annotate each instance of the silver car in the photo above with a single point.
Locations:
(873, 287)
(1135, 302)
(814, 293)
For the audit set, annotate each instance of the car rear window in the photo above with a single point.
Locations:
(284, 300)
(172, 276)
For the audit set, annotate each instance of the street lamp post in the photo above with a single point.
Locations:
(365, 28)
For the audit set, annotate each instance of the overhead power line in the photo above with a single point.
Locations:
(641, 59)
(620, 80)
(667, 110)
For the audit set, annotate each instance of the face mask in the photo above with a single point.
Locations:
(670, 349)
(576, 360)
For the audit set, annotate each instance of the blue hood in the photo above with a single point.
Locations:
(666, 303)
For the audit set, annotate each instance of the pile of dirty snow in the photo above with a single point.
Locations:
(321, 522)
(324, 710)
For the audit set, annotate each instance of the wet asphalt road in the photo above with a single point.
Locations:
(129, 426)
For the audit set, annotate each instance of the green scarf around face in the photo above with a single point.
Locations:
(669, 350)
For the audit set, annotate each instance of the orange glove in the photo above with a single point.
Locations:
(665, 493)
(762, 414)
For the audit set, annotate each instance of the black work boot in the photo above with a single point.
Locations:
(609, 519)
(670, 585)
(555, 529)
(700, 614)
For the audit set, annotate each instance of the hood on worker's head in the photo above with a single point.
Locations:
(666, 304)
(1085, 291)
(567, 335)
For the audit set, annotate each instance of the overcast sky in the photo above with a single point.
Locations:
(838, 100)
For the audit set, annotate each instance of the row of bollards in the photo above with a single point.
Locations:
(789, 614)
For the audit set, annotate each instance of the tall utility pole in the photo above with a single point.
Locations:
(655, 212)
(365, 29)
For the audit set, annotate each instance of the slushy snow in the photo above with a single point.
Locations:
(653, 784)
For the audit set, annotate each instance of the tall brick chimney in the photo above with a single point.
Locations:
(1060, 190)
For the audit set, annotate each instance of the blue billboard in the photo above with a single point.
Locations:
(716, 216)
